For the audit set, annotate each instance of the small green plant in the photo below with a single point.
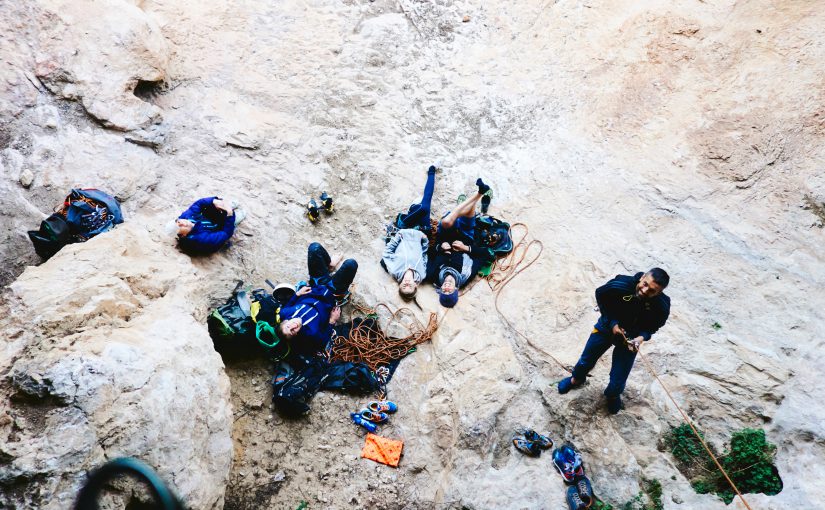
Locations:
(649, 498)
(749, 463)
(716, 326)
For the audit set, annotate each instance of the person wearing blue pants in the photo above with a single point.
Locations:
(632, 309)
(405, 256)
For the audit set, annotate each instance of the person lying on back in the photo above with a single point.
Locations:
(456, 261)
(307, 318)
(206, 226)
(405, 256)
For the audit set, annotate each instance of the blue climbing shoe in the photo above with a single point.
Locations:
(585, 490)
(614, 404)
(566, 385)
(568, 462)
(359, 420)
(382, 406)
(543, 442)
(526, 447)
(378, 417)
(574, 501)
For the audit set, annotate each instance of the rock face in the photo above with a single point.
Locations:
(687, 135)
(98, 53)
(106, 361)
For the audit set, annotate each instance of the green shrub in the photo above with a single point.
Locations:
(685, 446)
(749, 463)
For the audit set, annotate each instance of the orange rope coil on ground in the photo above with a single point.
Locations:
(369, 343)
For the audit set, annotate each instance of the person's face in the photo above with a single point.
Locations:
(448, 287)
(291, 327)
(184, 227)
(407, 285)
(647, 288)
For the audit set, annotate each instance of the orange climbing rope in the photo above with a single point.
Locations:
(510, 266)
(693, 428)
(369, 343)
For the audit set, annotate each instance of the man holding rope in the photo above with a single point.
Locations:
(632, 309)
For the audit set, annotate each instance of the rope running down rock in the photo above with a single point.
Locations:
(507, 268)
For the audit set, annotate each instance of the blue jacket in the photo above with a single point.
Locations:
(212, 229)
(618, 304)
(314, 309)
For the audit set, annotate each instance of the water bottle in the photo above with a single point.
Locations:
(359, 420)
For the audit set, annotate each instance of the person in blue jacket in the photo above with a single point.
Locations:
(206, 226)
(632, 309)
(307, 318)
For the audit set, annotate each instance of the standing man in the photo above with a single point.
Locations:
(632, 309)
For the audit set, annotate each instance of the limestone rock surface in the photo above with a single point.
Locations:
(97, 53)
(688, 135)
(105, 360)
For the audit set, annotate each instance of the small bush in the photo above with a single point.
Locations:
(651, 491)
(749, 463)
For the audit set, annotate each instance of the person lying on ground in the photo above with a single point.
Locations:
(207, 225)
(456, 261)
(307, 318)
(405, 256)
(632, 309)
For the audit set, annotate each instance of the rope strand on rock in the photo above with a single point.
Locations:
(505, 269)
(693, 428)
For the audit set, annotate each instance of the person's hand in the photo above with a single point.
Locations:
(221, 204)
(445, 246)
(459, 246)
(335, 315)
(633, 345)
(618, 331)
(303, 291)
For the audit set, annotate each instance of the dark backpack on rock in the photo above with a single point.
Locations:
(296, 382)
(53, 235)
(84, 214)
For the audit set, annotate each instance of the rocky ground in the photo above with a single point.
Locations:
(682, 134)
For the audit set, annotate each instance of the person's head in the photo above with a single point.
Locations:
(407, 286)
(448, 286)
(184, 227)
(448, 294)
(652, 283)
(289, 328)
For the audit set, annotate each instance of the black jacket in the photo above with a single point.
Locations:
(618, 304)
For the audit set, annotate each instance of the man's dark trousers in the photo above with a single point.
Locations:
(318, 261)
(623, 359)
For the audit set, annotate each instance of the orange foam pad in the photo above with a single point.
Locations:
(383, 450)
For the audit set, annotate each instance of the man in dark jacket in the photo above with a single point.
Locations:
(307, 318)
(632, 309)
(206, 226)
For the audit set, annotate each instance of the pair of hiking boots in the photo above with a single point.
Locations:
(314, 211)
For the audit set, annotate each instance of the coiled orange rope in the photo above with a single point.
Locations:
(368, 343)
